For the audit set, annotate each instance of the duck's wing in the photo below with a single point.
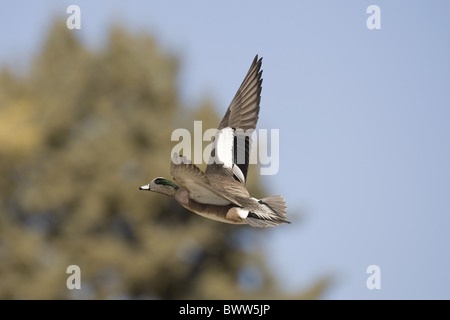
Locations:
(191, 178)
(244, 108)
(233, 139)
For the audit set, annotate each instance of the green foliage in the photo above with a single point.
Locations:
(78, 134)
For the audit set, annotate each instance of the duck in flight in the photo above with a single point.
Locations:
(219, 193)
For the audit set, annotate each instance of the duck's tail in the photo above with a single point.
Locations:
(271, 212)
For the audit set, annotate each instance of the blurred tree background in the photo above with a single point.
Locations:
(80, 131)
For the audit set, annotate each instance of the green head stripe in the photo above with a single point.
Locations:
(166, 182)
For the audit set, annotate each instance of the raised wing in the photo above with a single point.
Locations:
(244, 108)
(233, 139)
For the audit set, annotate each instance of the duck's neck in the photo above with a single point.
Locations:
(169, 189)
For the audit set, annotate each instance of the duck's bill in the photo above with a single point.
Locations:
(145, 187)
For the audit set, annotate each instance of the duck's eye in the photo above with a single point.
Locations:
(158, 181)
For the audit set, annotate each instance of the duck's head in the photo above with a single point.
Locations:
(161, 185)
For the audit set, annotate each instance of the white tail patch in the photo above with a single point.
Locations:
(224, 146)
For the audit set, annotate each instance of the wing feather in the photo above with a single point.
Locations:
(242, 113)
(191, 178)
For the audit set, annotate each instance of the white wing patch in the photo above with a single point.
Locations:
(224, 146)
(238, 173)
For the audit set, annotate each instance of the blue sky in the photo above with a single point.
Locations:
(364, 119)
